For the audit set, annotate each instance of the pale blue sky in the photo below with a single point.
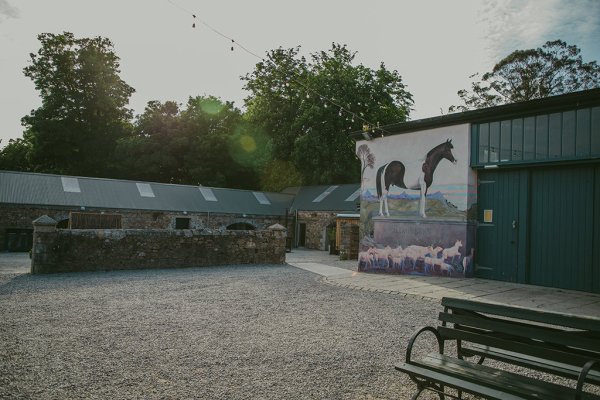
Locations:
(434, 44)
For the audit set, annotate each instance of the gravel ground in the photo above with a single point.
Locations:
(239, 332)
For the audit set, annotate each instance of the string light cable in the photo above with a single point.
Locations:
(368, 127)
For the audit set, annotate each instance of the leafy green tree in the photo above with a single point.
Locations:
(206, 143)
(208, 124)
(307, 109)
(83, 111)
(13, 157)
(155, 150)
(553, 69)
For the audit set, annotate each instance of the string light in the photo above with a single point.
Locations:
(323, 98)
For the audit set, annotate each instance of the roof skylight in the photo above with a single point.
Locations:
(145, 189)
(326, 193)
(262, 199)
(70, 185)
(208, 194)
(354, 195)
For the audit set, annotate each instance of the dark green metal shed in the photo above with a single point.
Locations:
(539, 193)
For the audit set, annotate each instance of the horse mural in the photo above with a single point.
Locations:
(393, 174)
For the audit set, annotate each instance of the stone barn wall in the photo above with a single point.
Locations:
(63, 250)
(316, 227)
(21, 217)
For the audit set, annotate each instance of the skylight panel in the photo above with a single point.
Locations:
(70, 185)
(208, 194)
(326, 193)
(145, 189)
(354, 195)
(262, 199)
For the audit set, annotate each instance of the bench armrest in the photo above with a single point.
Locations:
(412, 340)
(582, 375)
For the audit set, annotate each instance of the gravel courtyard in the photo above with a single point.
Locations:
(238, 332)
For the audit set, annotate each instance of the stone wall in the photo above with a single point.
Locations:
(316, 227)
(21, 217)
(62, 250)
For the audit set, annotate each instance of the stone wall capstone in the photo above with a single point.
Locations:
(58, 250)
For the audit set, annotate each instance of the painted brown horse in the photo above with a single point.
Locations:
(393, 174)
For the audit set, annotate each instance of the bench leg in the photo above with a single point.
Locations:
(439, 389)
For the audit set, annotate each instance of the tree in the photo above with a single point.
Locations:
(307, 109)
(13, 157)
(83, 111)
(206, 143)
(155, 150)
(367, 159)
(553, 69)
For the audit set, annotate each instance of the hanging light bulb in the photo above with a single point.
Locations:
(307, 96)
(194, 25)
(340, 113)
(325, 105)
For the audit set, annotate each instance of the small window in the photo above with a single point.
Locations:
(241, 226)
(182, 223)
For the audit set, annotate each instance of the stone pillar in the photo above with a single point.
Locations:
(44, 235)
(279, 236)
(349, 242)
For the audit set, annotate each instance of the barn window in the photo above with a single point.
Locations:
(182, 223)
(241, 226)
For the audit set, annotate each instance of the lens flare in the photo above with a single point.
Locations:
(248, 143)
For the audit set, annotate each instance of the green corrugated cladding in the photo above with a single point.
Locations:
(569, 135)
(596, 245)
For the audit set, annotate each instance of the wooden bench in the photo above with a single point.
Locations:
(561, 345)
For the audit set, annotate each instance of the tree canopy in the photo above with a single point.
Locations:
(308, 107)
(553, 69)
(206, 143)
(83, 109)
(294, 131)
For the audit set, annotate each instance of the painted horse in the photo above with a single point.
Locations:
(393, 174)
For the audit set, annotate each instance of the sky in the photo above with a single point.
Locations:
(435, 45)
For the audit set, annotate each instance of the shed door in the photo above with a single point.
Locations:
(562, 227)
(544, 227)
(498, 206)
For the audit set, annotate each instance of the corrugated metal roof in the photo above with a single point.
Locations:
(327, 198)
(49, 190)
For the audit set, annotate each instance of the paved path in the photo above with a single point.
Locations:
(344, 274)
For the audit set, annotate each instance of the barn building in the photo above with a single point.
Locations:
(80, 202)
(510, 193)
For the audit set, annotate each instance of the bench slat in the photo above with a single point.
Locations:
(531, 348)
(547, 317)
(485, 381)
(575, 339)
(544, 365)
